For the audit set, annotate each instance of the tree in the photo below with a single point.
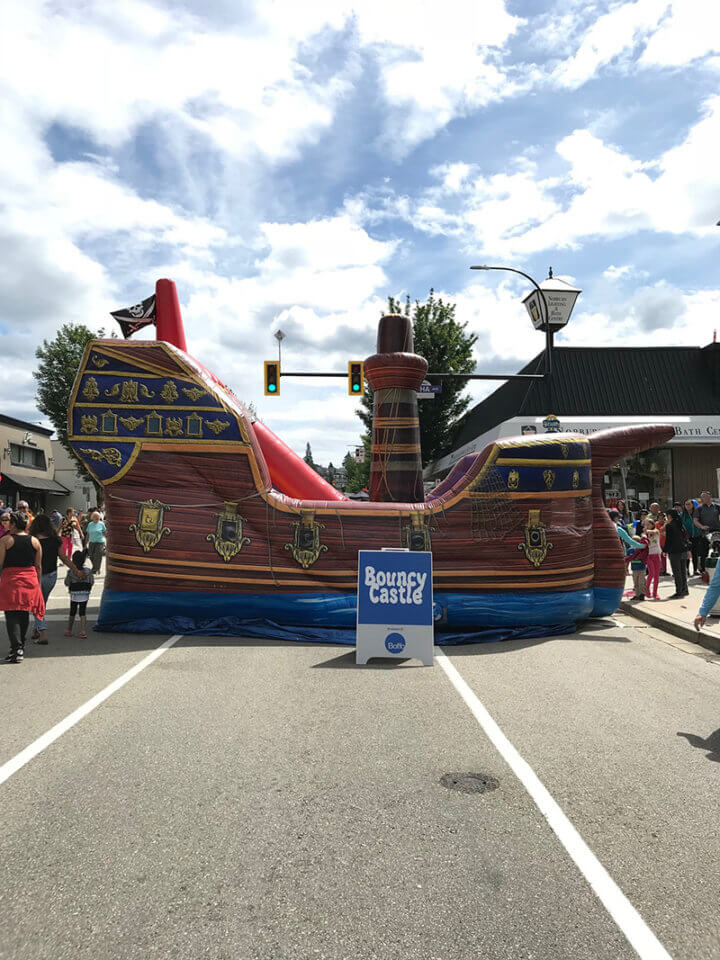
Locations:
(308, 458)
(443, 342)
(59, 363)
(331, 473)
(350, 465)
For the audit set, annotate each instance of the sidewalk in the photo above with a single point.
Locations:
(675, 616)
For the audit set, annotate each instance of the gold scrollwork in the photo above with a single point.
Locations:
(193, 393)
(129, 390)
(217, 426)
(565, 450)
(535, 545)
(228, 538)
(149, 529)
(131, 423)
(88, 425)
(90, 390)
(576, 479)
(169, 392)
(173, 426)
(100, 361)
(549, 478)
(513, 480)
(306, 547)
(418, 533)
(110, 454)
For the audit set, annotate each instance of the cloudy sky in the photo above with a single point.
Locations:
(291, 164)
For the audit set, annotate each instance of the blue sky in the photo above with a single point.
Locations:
(291, 165)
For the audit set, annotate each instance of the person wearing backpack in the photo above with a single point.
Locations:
(677, 544)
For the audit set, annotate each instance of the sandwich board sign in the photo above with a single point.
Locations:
(394, 605)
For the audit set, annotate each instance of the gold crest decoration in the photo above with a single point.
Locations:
(173, 427)
(88, 424)
(228, 538)
(100, 361)
(549, 478)
(306, 547)
(90, 390)
(131, 423)
(169, 392)
(417, 533)
(535, 545)
(109, 454)
(129, 390)
(513, 480)
(217, 426)
(193, 393)
(575, 479)
(149, 529)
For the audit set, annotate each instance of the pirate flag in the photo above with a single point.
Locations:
(132, 319)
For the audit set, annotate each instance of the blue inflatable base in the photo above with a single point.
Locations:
(330, 618)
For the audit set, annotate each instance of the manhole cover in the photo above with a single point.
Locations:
(469, 782)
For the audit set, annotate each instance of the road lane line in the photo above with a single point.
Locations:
(37, 746)
(636, 931)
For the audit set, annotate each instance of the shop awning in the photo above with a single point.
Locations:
(36, 483)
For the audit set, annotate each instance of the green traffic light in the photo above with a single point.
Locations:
(356, 387)
(272, 388)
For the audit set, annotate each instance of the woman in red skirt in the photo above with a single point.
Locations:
(20, 593)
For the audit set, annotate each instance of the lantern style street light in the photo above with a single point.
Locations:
(556, 306)
(553, 299)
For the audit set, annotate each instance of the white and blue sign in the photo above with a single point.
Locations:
(394, 605)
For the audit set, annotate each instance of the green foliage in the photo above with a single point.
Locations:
(308, 458)
(331, 473)
(59, 363)
(446, 346)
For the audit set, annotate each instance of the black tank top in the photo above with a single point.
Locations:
(21, 553)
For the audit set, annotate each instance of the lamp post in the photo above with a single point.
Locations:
(279, 336)
(549, 306)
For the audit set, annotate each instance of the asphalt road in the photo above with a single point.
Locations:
(246, 799)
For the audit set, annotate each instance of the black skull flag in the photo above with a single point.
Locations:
(132, 319)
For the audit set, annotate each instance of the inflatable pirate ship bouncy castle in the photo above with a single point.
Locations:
(216, 527)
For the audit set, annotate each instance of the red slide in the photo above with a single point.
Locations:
(288, 472)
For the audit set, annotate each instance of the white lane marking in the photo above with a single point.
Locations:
(26, 755)
(636, 931)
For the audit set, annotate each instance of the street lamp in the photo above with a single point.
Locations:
(279, 336)
(558, 300)
(552, 298)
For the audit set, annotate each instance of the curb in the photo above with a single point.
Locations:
(683, 631)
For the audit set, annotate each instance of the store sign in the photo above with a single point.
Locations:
(551, 424)
(394, 605)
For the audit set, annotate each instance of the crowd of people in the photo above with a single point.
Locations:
(30, 548)
(681, 536)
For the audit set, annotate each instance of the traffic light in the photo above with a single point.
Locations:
(355, 378)
(272, 378)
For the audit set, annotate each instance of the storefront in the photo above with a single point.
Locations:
(597, 388)
(27, 466)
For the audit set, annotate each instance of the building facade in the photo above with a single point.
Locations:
(27, 466)
(593, 389)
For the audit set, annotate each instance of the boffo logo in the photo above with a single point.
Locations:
(390, 586)
(395, 643)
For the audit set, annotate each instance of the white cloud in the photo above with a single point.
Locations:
(606, 193)
(611, 35)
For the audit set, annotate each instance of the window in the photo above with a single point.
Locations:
(21, 456)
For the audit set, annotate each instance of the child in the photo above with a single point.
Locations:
(638, 566)
(654, 558)
(79, 588)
